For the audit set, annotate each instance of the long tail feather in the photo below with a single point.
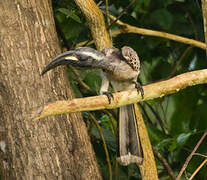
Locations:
(130, 150)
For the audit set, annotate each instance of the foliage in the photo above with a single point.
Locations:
(175, 123)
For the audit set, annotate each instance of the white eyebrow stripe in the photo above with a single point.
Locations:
(93, 55)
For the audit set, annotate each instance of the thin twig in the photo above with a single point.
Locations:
(80, 81)
(146, 115)
(104, 144)
(164, 115)
(199, 154)
(133, 29)
(165, 163)
(121, 14)
(99, 3)
(113, 120)
(196, 171)
(195, 154)
(162, 125)
(179, 61)
(190, 156)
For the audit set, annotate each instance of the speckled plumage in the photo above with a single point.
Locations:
(131, 57)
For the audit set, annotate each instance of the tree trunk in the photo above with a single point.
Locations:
(53, 148)
(204, 9)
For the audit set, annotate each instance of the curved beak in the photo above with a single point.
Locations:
(63, 59)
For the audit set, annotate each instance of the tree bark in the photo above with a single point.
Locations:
(96, 23)
(204, 10)
(53, 148)
(148, 169)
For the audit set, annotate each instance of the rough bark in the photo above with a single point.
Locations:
(204, 9)
(96, 22)
(148, 169)
(53, 148)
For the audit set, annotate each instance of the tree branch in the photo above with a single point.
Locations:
(133, 29)
(96, 22)
(190, 156)
(152, 91)
(204, 10)
(165, 164)
(104, 144)
(196, 171)
(126, 28)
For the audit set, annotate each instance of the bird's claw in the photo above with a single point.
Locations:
(139, 89)
(109, 95)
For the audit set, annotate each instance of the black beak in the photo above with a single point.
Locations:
(64, 59)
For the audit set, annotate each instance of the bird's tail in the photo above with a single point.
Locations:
(129, 145)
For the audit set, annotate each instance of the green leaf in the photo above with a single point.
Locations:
(164, 144)
(182, 139)
(173, 145)
(70, 13)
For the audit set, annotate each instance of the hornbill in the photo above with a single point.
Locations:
(121, 68)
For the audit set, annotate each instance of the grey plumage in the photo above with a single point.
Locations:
(130, 150)
(121, 68)
(124, 77)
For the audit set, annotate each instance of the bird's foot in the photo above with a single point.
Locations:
(109, 95)
(139, 88)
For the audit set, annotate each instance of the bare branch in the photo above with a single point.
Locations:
(133, 29)
(165, 163)
(204, 10)
(152, 91)
(104, 144)
(179, 61)
(196, 171)
(121, 14)
(190, 156)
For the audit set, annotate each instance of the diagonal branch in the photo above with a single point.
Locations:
(133, 29)
(96, 22)
(165, 164)
(152, 91)
(190, 156)
(126, 28)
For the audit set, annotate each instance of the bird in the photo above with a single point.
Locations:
(121, 68)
